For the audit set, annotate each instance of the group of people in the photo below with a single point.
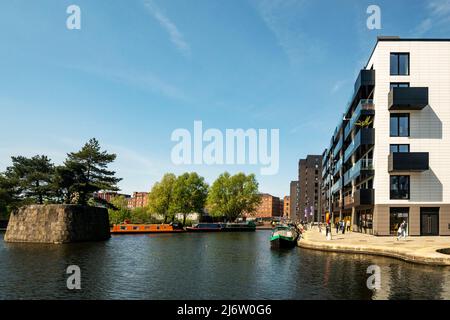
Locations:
(342, 225)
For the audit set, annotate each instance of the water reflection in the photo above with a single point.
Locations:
(207, 266)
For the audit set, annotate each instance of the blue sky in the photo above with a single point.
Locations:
(137, 70)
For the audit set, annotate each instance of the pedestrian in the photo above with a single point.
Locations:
(400, 231)
(343, 226)
(404, 228)
(348, 225)
(336, 224)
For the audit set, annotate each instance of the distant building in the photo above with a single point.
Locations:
(287, 207)
(109, 196)
(139, 200)
(269, 207)
(294, 195)
(310, 179)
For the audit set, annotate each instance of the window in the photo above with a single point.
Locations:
(399, 85)
(397, 216)
(399, 125)
(399, 148)
(399, 187)
(399, 64)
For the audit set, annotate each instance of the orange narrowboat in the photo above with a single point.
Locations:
(127, 228)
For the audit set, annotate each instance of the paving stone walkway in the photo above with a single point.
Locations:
(414, 249)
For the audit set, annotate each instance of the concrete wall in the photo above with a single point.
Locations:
(58, 224)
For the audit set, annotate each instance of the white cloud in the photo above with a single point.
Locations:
(337, 86)
(438, 15)
(140, 80)
(176, 37)
(282, 18)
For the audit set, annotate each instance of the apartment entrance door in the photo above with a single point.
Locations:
(429, 221)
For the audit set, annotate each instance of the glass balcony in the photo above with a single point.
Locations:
(365, 136)
(338, 147)
(336, 186)
(365, 107)
(337, 167)
(355, 171)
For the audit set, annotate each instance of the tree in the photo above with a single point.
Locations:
(8, 197)
(86, 172)
(189, 194)
(121, 211)
(32, 177)
(160, 198)
(231, 196)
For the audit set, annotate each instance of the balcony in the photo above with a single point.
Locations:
(408, 98)
(337, 186)
(408, 161)
(361, 197)
(337, 167)
(363, 167)
(364, 108)
(365, 136)
(338, 147)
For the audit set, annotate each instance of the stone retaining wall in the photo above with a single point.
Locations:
(58, 224)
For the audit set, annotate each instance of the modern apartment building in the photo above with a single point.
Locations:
(294, 194)
(310, 179)
(389, 157)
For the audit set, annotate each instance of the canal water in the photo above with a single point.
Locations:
(207, 266)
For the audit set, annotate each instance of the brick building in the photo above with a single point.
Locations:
(139, 200)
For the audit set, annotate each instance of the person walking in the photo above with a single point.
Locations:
(336, 224)
(401, 232)
(404, 228)
(348, 225)
(343, 226)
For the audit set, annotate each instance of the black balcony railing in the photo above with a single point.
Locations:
(408, 98)
(408, 161)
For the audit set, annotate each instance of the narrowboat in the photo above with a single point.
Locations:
(126, 228)
(206, 227)
(284, 237)
(240, 227)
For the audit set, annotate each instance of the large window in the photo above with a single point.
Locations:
(399, 125)
(399, 148)
(399, 64)
(399, 187)
(397, 216)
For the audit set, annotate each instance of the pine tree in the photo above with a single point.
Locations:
(86, 172)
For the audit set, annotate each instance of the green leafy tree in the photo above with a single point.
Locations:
(160, 198)
(121, 212)
(189, 195)
(32, 178)
(231, 196)
(86, 172)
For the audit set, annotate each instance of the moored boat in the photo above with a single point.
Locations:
(206, 227)
(284, 237)
(127, 228)
(240, 227)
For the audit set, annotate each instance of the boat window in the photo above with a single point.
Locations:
(123, 228)
(147, 227)
(135, 228)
